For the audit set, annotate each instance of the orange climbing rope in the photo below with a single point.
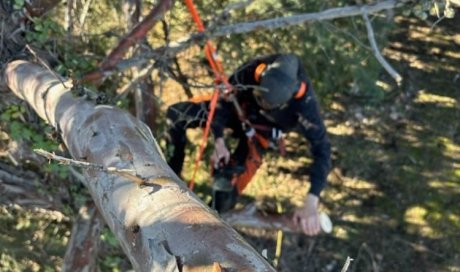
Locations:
(220, 78)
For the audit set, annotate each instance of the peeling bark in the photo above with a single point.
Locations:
(158, 226)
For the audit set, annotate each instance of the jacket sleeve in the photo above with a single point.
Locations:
(311, 127)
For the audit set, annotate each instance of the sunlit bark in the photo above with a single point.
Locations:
(161, 226)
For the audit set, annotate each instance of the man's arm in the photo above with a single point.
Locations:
(311, 126)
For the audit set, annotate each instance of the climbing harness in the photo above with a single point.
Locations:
(254, 158)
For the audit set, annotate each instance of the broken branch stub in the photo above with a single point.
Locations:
(160, 228)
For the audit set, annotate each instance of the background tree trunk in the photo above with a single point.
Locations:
(81, 253)
(161, 226)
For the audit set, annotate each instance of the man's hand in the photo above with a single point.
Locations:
(307, 217)
(220, 153)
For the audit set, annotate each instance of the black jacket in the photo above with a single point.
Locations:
(301, 115)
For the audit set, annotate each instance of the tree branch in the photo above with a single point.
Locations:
(370, 34)
(126, 173)
(250, 217)
(329, 14)
(183, 44)
(160, 228)
(136, 34)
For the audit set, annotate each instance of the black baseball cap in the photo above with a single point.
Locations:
(279, 82)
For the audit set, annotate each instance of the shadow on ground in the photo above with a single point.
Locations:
(394, 190)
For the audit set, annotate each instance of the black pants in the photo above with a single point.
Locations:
(184, 115)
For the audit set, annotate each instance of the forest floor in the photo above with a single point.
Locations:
(393, 192)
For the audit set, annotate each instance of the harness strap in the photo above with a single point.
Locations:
(201, 98)
(219, 74)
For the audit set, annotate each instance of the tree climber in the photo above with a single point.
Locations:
(276, 96)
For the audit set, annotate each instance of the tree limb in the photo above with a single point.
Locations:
(160, 228)
(250, 217)
(375, 49)
(136, 34)
(328, 14)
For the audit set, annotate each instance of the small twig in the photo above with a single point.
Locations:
(77, 175)
(31, 50)
(437, 22)
(125, 173)
(346, 264)
(139, 76)
(87, 165)
(328, 14)
(370, 34)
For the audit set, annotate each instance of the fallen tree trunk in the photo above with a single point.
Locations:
(161, 226)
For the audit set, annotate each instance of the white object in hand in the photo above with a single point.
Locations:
(325, 222)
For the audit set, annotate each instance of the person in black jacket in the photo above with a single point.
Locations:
(276, 96)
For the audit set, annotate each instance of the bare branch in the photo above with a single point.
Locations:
(250, 217)
(131, 39)
(183, 44)
(329, 14)
(370, 34)
(126, 173)
(138, 77)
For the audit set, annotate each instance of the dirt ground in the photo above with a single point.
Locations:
(394, 188)
(393, 191)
